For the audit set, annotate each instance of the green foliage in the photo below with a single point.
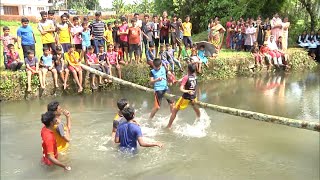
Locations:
(299, 59)
(83, 6)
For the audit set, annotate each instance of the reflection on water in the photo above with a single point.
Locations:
(293, 96)
(219, 146)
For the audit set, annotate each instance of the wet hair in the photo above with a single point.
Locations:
(98, 13)
(51, 12)
(24, 19)
(42, 13)
(122, 103)
(109, 24)
(45, 49)
(90, 48)
(5, 28)
(10, 46)
(53, 106)
(191, 68)
(151, 44)
(30, 52)
(157, 62)
(47, 118)
(58, 48)
(128, 113)
(75, 18)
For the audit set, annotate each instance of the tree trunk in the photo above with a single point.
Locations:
(309, 125)
(310, 8)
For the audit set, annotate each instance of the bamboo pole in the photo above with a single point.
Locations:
(313, 126)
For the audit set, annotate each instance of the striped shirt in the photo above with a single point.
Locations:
(97, 29)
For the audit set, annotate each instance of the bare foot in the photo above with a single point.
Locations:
(29, 89)
(80, 89)
(64, 86)
(57, 85)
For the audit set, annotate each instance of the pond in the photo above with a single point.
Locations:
(220, 146)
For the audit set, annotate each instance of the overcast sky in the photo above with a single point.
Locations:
(108, 3)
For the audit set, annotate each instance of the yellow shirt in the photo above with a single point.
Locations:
(64, 33)
(108, 35)
(62, 144)
(72, 60)
(45, 26)
(187, 27)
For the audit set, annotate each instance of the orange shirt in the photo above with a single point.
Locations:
(134, 35)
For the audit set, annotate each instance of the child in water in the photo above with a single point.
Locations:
(188, 87)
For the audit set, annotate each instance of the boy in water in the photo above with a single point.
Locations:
(119, 119)
(49, 144)
(158, 77)
(188, 87)
(129, 133)
(60, 131)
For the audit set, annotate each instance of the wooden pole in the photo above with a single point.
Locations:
(313, 126)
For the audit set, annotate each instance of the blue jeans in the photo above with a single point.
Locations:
(96, 43)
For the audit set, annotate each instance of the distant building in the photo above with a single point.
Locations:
(24, 7)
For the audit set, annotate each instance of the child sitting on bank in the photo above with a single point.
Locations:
(12, 59)
(194, 59)
(258, 57)
(32, 68)
(92, 61)
(119, 51)
(6, 39)
(150, 54)
(202, 56)
(186, 53)
(74, 65)
(46, 64)
(163, 57)
(172, 60)
(112, 60)
(60, 66)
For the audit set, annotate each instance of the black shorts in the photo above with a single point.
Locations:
(158, 95)
(134, 48)
(78, 46)
(156, 42)
(51, 46)
(123, 44)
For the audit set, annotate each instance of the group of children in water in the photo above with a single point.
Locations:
(125, 129)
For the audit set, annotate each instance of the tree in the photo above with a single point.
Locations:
(118, 6)
(312, 7)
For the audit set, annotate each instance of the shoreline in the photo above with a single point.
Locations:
(13, 85)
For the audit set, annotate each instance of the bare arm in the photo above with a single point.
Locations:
(152, 80)
(145, 144)
(57, 162)
(116, 140)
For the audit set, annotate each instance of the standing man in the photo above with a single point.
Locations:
(49, 144)
(129, 133)
(175, 26)
(47, 30)
(97, 30)
(164, 28)
(147, 29)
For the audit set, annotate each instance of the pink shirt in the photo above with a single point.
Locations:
(123, 28)
(6, 40)
(77, 30)
(92, 58)
(112, 57)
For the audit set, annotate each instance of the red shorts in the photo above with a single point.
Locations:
(33, 67)
(77, 68)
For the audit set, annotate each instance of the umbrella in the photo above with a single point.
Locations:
(208, 48)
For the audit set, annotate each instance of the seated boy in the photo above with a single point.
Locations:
(32, 67)
(186, 53)
(92, 61)
(158, 77)
(73, 59)
(12, 59)
(129, 133)
(163, 57)
(118, 50)
(172, 59)
(6, 39)
(150, 54)
(61, 68)
(46, 63)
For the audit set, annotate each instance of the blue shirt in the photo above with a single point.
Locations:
(47, 60)
(159, 85)
(86, 38)
(128, 134)
(26, 35)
